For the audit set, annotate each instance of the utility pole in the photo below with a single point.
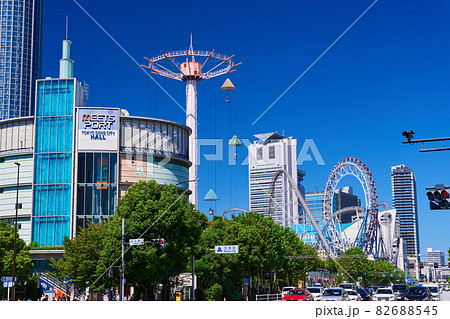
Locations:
(193, 277)
(122, 273)
(13, 291)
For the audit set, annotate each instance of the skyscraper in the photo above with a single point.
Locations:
(404, 200)
(270, 153)
(20, 55)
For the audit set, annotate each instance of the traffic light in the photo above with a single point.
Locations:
(421, 265)
(158, 241)
(436, 265)
(110, 272)
(439, 197)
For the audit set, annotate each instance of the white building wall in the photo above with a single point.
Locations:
(285, 209)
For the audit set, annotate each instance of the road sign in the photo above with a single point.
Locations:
(392, 275)
(384, 275)
(8, 279)
(7, 284)
(233, 249)
(136, 242)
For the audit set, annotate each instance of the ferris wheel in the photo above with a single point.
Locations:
(333, 231)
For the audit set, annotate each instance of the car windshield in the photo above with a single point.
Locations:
(417, 291)
(384, 292)
(399, 287)
(363, 291)
(314, 290)
(296, 293)
(433, 290)
(287, 289)
(332, 292)
(351, 292)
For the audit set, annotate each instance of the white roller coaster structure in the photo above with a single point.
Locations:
(332, 236)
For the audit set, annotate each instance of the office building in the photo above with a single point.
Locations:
(269, 154)
(76, 161)
(342, 198)
(436, 256)
(20, 55)
(404, 200)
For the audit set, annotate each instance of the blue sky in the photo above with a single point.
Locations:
(387, 74)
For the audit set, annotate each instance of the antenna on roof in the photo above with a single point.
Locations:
(67, 27)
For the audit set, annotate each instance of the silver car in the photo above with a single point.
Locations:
(335, 294)
(384, 294)
(316, 292)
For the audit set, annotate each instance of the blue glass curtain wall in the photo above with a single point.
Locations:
(53, 161)
(96, 187)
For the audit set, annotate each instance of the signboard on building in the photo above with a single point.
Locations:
(233, 249)
(98, 129)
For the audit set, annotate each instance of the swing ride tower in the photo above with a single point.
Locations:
(191, 66)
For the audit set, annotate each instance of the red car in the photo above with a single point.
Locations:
(298, 295)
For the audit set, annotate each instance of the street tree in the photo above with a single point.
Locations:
(82, 255)
(23, 260)
(153, 211)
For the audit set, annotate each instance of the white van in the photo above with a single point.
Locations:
(434, 289)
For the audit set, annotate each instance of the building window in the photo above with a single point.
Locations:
(271, 152)
(259, 154)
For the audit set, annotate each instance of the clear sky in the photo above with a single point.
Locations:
(387, 74)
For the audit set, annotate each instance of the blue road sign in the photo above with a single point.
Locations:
(8, 279)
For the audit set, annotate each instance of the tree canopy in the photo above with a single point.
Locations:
(23, 260)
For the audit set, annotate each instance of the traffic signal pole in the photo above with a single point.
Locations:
(122, 273)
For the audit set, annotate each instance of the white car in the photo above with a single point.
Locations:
(384, 294)
(434, 290)
(285, 290)
(353, 295)
(316, 292)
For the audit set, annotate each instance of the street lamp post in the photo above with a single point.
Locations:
(13, 291)
(193, 253)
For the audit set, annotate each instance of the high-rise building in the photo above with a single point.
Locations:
(20, 55)
(404, 200)
(269, 154)
(435, 256)
(342, 198)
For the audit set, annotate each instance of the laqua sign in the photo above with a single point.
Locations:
(98, 129)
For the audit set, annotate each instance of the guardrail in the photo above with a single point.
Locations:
(268, 297)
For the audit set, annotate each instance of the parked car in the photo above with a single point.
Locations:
(353, 295)
(365, 293)
(335, 294)
(347, 286)
(400, 291)
(434, 290)
(418, 293)
(298, 295)
(316, 292)
(285, 290)
(384, 294)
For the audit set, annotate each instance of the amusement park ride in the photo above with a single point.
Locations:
(332, 235)
(189, 66)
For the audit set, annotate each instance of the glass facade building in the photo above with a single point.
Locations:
(404, 200)
(96, 187)
(20, 55)
(53, 156)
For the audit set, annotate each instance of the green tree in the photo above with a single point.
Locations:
(353, 263)
(153, 211)
(23, 260)
(82, 255)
